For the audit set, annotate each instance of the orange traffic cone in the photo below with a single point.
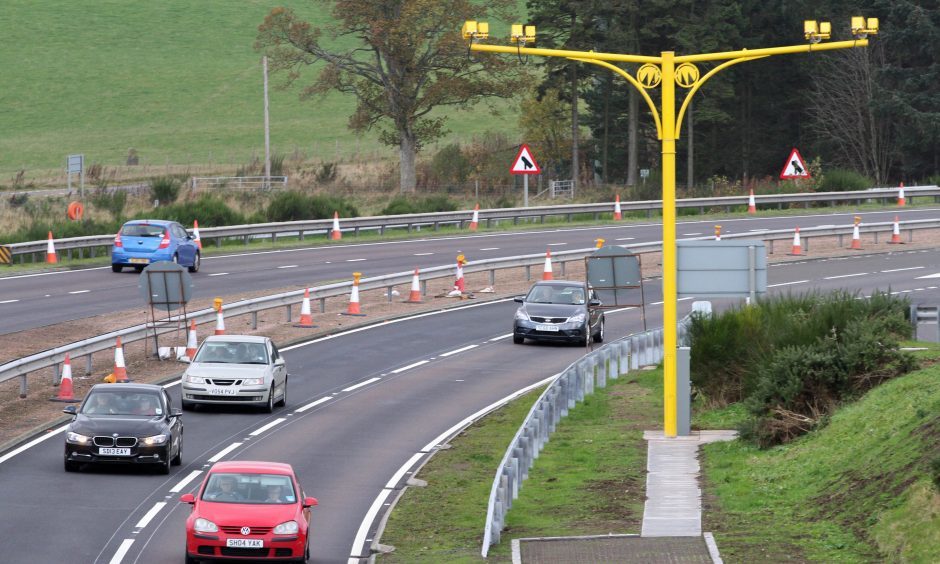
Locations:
(617, 213)
(191, 340)
(353, 308)
(219, 322)
(196, 238)
(336, 234)
(65, 385)
(901, 202)
(547, 271)
(718, 233)
(120, 371)
(476, 218)
(306, 318)
(459, 284)
(751, 204)
(51, 257)
(797, 250)
(896, 234)
(856, 239)
(415, 296)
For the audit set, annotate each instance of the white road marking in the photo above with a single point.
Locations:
(264, 428)
(902, 269)
(185, 481)
(360, 539)
(145, 520)
(466, 348)
(8, 301)
(556, 244)
(758, 230)
(224, 451)
(844, 276)
(122, 551)
(289, 266)
(409, 367)
(787, 283)
(219, 274)
(355, 260)
(690, 234)
(928, 276)
(625, 239)
(425, 254)
(501, 337)
(490, 249)
(79, 291)
(312, 404)
(361, 384)
(32, 443)
(403, 470)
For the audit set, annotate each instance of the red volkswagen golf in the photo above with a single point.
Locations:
(249, 510)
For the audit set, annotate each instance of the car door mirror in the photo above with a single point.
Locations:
(188, 498)
(176, 412)
(70, 409)
(279, 362)
(310, 502)
(595, 303)
(518, 299)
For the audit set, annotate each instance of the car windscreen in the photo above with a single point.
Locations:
(545, 294)
(242, 487)
(146, 404)
(142, 230)
(228, 352)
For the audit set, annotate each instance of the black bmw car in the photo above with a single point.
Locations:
(124, 424)
(557, 310)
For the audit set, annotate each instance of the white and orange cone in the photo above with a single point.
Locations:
(475, 221)
(718, 233)
(306, 317)
(415, 296)
(196, 238)
(797, 250)
(51, 257)
(120, 370)
(335, 233)
(353, 308)
(459, 283)
(856, 238)
(547, 271)
(219, 322)
(191, 341)
(618, 215)
(896, 233)
(66, 394)
(901, 202)
(751, 204)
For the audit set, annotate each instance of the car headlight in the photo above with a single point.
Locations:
(288, 528)
(576, 318)
(253, 381)
(154, 440)
(194, 379)
(205, 526)
(521, 315)
(77, 438)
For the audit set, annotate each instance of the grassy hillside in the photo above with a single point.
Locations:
(178, 81)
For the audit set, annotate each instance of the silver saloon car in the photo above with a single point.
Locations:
(236, 370)
(558, 310)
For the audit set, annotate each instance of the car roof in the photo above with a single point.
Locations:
(126, 386)
(559, 283)
(161, 222)
(252, 467)
(237, 338)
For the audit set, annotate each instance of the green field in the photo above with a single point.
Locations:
(178, 81)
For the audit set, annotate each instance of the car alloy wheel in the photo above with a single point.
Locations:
(196, 262)
(116, 268)
(269, 407)
(283, 402)
(178, 459)
(599, 337)
(164, 467)
(71, 466)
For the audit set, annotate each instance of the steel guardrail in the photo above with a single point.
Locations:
(460, 218)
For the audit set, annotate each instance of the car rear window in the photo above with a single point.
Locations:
(141, 230)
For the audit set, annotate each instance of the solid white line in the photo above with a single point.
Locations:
(490, 249)
(355, 260)
(902, 269)
(311, 405)
(501, 337)
(466, 348)
(145, 520)
(32, 443)
(844, 276)
(260, 430)
(690, 234)
(556, 244)
(224, 451)
(787, 283)
(8, 301)
(182, 483)
(625, 239)
(401, 471)
(426, 254)
(410, 366)
(219, 274)
(360, 539)
(289, 266)
(361, 384)
(80, 291)
(121, 551)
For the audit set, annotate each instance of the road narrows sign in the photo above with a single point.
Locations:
(525, 162)
(795, 167)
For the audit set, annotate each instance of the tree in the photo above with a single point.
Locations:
(546, 127)
(409, 60)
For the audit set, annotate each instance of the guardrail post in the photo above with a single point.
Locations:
(56, 376)
(254, 320)
(635, 352)
(604, 357)
(497, 524)
(528, 272)
(388, 290)
(562, 268)
(492, 277)
(323, 305)
(505, 487)
(567, 401)
(624, 357)
(23, 388)
(514, 470)
(88, 366)
(613, 365)
(289, 313)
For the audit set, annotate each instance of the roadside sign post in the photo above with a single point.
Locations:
(525, 165)
(76, 163)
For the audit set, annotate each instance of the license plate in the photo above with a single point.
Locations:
(546, 328)
(140, 261)
(108, 451)
(244, 543)
(223, 391)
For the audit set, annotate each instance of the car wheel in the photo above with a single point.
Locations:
(196, 261)
(189, 406)
(518, 339)
(283, 402)
(586, 339)
(116, 268)
(269, 407)
(178, 459)
(138, 269)
(164, 467)
(71, 466)
(189, 559)
(176, 258)
(599, 336)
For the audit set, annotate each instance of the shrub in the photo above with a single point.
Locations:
(113, 202)
(326, 173)
(209, 210)
(450, 165)
(404, 205)
(165, 189)
(296, 206)
(843, 180)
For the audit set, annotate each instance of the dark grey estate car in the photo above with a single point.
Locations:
(557, 310)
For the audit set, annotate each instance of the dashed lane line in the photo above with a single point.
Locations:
(185, 481)
(361, 384)
(224, 451)
(264, 428)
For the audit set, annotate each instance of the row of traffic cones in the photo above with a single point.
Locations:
(856, 244)
(66, 388)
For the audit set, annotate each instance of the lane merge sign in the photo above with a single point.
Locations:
(795, 167)
(525, 162)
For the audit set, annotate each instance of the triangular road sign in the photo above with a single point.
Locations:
(795, 167)
(525, 163)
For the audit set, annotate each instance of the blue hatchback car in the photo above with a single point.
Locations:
(144, 241)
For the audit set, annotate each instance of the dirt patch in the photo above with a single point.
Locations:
(620, 510)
